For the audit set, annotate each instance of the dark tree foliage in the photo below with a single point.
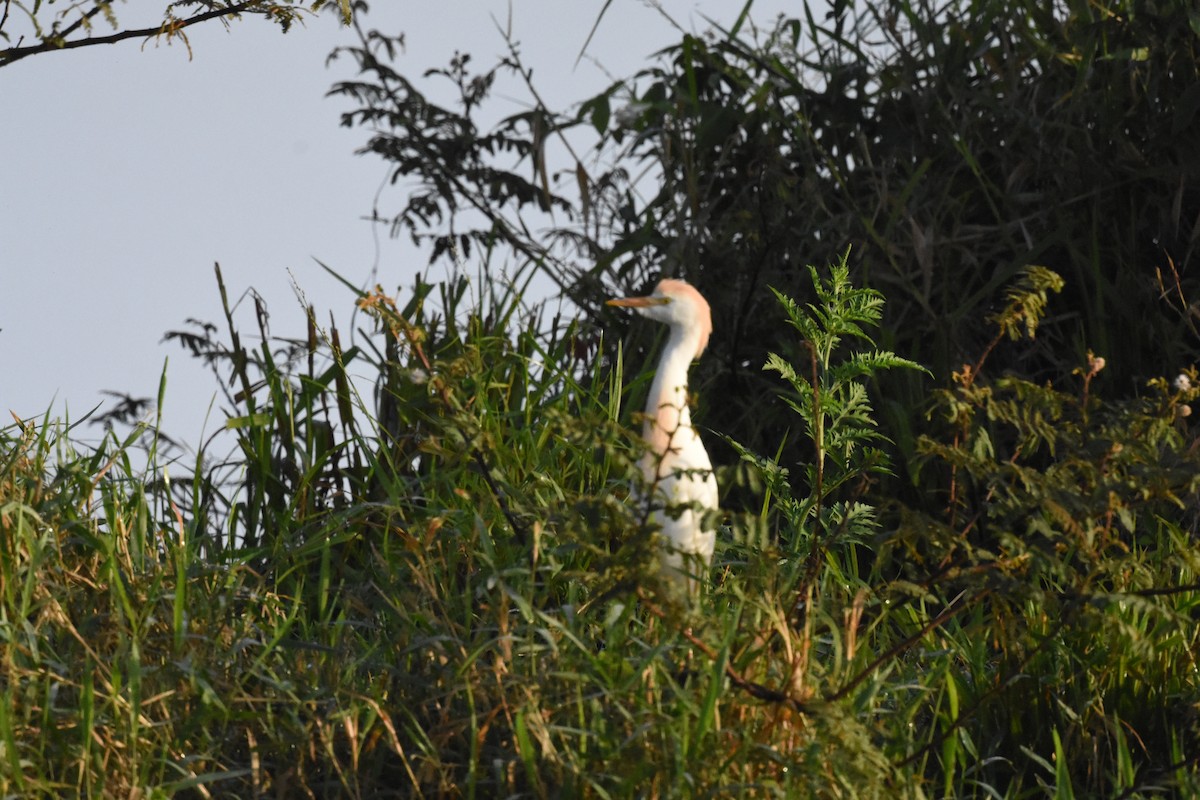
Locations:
(951, 144)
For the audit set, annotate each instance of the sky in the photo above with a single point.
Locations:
(127, 170)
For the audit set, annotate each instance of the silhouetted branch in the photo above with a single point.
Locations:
(168, 27)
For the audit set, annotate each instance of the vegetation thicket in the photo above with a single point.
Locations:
(958, 555)
(953, 144)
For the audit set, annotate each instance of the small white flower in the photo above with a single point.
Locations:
(628, 116)
(1182, 382)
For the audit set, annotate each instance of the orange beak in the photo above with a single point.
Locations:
(637, 302)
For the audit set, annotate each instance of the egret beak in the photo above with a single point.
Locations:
(638, 302)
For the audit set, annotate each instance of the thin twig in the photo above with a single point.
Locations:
(753, 688)
(949, 612)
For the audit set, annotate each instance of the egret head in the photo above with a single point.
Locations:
(675, 303)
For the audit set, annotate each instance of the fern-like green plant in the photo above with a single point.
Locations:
(828, 380)
(1067, 522)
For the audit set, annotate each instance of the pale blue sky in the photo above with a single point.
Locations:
(128, 169)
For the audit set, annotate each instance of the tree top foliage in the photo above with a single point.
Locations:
(953, 143)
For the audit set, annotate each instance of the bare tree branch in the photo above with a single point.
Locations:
(168, 27)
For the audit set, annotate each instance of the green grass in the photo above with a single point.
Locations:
(448, 592)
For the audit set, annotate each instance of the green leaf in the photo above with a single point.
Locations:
(601, 111)
(260, 419)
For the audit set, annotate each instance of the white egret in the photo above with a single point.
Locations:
(676, 466)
